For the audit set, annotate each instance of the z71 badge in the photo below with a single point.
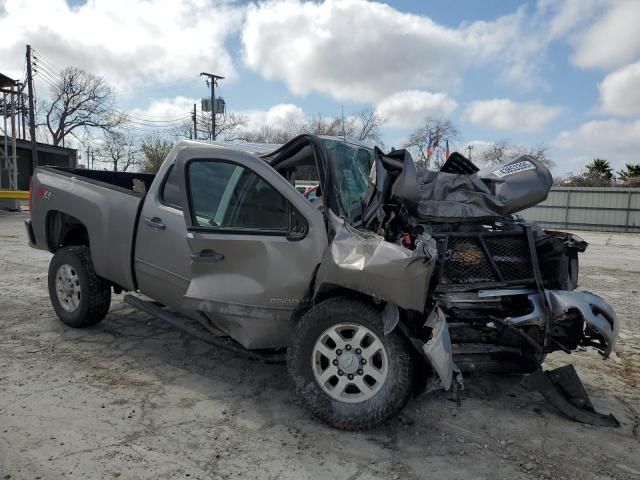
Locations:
(44, 193)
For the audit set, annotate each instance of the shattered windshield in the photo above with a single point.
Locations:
(350, 166)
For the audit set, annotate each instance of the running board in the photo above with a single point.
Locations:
(563, 389)
(191, 327)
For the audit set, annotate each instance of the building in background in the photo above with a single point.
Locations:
(47, 155)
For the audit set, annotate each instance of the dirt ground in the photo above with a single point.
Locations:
(134, 398)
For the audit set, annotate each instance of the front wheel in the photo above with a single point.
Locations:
(79, 296)
(344, 369)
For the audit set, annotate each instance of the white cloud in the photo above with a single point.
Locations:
(358, 50)
(478, 148)
(620, 91)
(127, 41)
(281, 115)
(505, 114)
(166, 109)
(567, 16)
(613, 40)
(616, 141)
(410, 107)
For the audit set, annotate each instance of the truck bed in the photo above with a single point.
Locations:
(124, 180)
(106, 204)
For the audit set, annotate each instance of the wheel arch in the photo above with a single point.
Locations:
(64, 230)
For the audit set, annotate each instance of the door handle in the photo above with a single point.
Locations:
(155, 222)
(207, 256)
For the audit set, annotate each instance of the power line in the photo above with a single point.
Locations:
(50, 74)
(45, 76)
(43, 68)
(39, 58)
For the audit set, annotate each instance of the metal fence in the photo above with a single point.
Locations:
(612, 209)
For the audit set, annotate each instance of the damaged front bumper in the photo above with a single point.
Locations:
(599, 327)
(599, 320)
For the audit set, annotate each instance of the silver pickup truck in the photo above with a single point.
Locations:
(391, 281)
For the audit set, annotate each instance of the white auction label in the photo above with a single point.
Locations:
(514, 168)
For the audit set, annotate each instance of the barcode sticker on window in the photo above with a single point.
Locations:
(514, 168)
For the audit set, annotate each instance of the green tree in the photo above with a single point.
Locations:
(632, 172)
(600, 168)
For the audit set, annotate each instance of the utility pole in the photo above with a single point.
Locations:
(213, 81)
(14, 157)
(22, 110)
(32, 114)
(195, 123)
(5, 149)
(88, 158)
(469, 150)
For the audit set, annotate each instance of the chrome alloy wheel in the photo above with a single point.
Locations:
(349, 362)
(68, 287)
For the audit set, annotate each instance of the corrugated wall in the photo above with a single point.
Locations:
(584, 208)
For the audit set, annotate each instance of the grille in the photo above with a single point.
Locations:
(467, 259)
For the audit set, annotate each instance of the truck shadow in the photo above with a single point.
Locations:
(497, 417)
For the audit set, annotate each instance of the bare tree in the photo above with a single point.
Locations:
(268, 134)
(495, 153)
(119, 150)
(583, 180)
(366, 125)
(363, 126)
(439, 130)
(329, 126)
(503, 151)
(80, 100)
(155, 149)
(184, 129)
(227, 125)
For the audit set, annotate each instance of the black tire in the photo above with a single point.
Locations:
(94, 292)
(393, 393)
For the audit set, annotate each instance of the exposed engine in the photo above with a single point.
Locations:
(504, 285)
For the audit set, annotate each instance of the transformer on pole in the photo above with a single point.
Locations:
(212, 81)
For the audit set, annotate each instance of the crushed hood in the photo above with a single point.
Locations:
(487, 194)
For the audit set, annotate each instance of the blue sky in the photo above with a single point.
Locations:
(565, 73)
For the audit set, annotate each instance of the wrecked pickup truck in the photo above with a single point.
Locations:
(391, 282)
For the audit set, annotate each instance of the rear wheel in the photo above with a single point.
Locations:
(344, 369)
(79, 296)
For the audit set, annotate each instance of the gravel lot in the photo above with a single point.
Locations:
(134, 398)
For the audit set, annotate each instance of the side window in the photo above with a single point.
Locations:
(171, 189)
(226, 196)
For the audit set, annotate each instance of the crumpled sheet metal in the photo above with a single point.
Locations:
(368, 264)
(438, 349)
(447, 196)
(488, 194)
(597, 313)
